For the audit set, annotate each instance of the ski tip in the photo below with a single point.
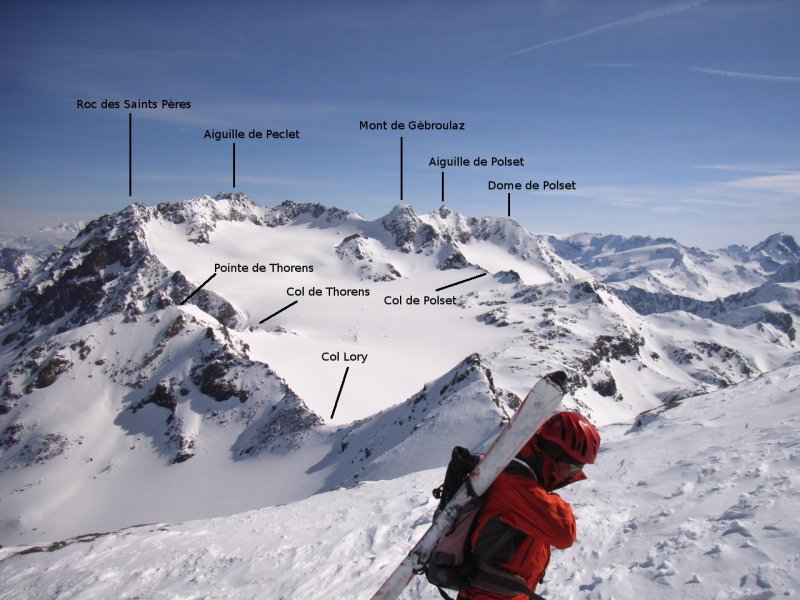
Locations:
(559, 378)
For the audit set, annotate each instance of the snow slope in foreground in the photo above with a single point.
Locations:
(699, 501)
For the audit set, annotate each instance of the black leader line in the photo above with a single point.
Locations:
(341, 387)
(199, 288)
(460, 282)
(277, 312)
(130, 154)
(401, 168)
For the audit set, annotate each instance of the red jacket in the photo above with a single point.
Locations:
(540, 519)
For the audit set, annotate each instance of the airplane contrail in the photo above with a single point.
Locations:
(657, 13)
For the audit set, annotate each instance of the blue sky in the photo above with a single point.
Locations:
(673, 118)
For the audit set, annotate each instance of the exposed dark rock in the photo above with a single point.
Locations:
(162, 395)
(175, 328)
(426, 236)
(186, 451)
(586, 290)
(606, 348)
(42, 448)
(281, 429)
(403, 224)
(82, 347)
(454, 260)
(497, 317)
(50, 372)
(212, 381)
(508, 277)
(605, 387)
(11, 435)
(728, 355)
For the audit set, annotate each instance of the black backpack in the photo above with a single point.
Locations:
(452, 564)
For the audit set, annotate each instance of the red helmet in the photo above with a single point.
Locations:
(574, 434)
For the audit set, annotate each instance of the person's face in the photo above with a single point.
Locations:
(567, 470)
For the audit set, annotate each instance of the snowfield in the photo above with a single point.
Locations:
(694, 501)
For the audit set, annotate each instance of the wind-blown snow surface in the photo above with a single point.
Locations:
(696, 501)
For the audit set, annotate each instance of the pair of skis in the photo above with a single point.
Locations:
(541, 402)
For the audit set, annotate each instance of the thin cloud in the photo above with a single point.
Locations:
(766, 193)
(666, 11)
(743, 75)
(787, 184)
(706, 71)
(217, 115)
(770, 169)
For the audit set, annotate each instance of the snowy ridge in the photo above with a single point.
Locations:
(663, 266)
(461, 407)
(777, 250)
(201, 215)
(714, 517)
(463, 232)
(619, 361)
(774, 308)
(753, 288)
(458, 242)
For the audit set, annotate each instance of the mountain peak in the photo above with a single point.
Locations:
(470, 370)
(233, 197)
(401, 212)
(288, 211)
(780, 247)
(403, 223)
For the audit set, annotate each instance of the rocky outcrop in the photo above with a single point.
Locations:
(363, 255)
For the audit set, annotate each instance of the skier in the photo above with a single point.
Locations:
(522, 517)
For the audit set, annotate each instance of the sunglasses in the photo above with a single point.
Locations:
(574, 467)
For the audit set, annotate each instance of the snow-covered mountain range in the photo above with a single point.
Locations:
(737, 286)
(328, 349)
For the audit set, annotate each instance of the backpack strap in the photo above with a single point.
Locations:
(492, 579)
(444, 594)
(519, 465)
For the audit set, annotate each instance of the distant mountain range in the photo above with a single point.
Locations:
(121, 404)
(737, 286)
